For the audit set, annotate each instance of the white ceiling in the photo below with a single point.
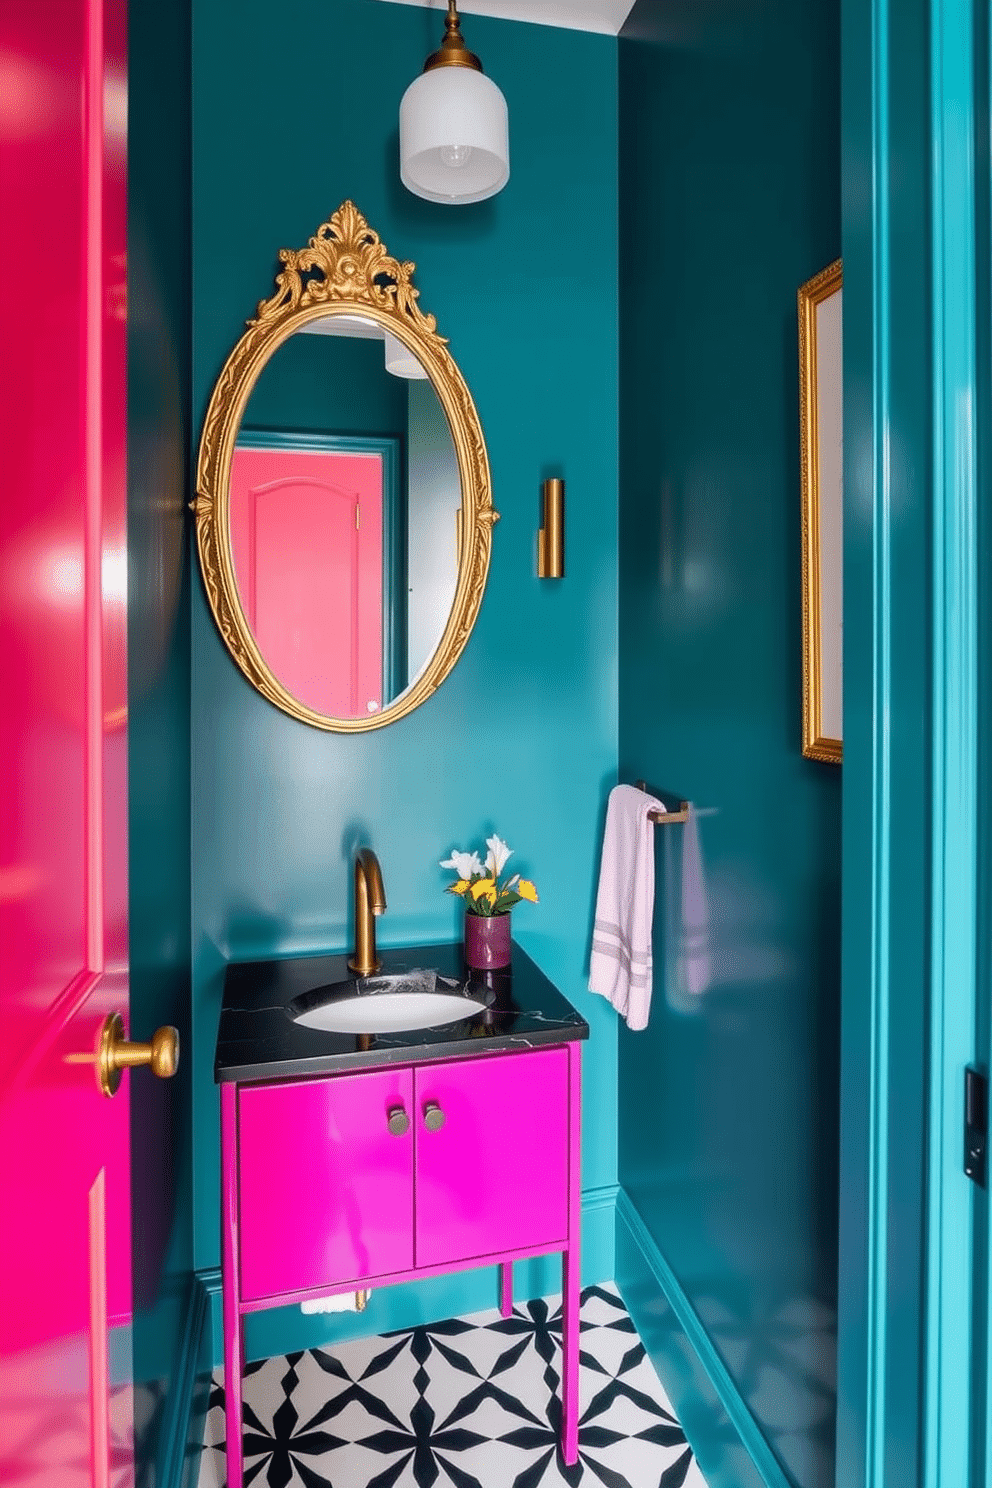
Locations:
(604, 16)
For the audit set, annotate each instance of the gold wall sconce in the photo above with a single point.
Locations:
(551, 537)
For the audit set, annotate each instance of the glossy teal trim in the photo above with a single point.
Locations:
(907, 1400)
(709, 1449)
(882, 795)
(886, 702)
(180, 1433)
(881, 901)
(981, 1463)
(159, 301)
(394, 519)
(955, 812)
(212, 1283)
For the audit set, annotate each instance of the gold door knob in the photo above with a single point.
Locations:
(116, 1054)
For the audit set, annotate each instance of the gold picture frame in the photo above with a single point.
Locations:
(821, 458)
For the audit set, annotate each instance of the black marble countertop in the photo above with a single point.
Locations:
(258, 1039)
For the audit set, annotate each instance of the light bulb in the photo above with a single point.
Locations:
(455, 155)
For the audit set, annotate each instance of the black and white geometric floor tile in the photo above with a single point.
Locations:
(468, 1403)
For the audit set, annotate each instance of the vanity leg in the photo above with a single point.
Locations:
(571, 1267)
(506, 1288)
(233, 1326)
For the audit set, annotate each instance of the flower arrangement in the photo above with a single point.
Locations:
(480, 883)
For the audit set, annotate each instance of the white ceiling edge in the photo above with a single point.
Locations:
(603, 16)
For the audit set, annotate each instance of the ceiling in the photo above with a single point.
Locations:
(604, 16)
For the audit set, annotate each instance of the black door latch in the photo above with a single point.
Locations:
(976, 1123)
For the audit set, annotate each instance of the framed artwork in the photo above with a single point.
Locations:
(821, 404)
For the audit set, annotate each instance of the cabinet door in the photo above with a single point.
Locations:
(494, 1177)
(326, 1188)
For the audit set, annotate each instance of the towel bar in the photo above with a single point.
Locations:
(665, 818)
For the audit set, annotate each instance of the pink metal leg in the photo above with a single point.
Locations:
(233, 1331)
(571, 1266)
(506, 1288)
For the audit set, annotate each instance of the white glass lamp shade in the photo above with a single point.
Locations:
(400, 360)
(454, 136)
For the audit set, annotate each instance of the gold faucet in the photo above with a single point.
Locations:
(370, 899)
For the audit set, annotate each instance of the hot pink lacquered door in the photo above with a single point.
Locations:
(306, 533)
(65, 1280)
(326, 1187)
(494, 1176)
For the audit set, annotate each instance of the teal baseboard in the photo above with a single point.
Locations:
(181, 1434)
(284, 1330)
(727, 1441)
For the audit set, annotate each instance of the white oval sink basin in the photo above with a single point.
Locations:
(390, 1012)
(385, 1004)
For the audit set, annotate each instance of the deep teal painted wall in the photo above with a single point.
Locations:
(728, 1104)
(159, 701)
(522, 736)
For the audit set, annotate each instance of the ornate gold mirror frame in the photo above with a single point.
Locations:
(344, 270)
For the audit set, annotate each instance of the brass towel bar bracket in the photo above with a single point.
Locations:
(666, 818)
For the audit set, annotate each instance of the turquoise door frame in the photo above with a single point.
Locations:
(912, 1395)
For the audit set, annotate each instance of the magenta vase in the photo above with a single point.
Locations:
(487, 941)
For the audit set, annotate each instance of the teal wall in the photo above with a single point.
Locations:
(522, 737)
(159, 706)
(728, 1107)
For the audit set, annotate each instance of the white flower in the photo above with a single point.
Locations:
(497, 855)
(464, 864)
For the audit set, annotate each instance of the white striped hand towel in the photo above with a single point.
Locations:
(620, 963)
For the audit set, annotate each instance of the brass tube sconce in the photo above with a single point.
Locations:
(551, 537)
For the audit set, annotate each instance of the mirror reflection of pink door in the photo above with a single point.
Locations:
(306, 532)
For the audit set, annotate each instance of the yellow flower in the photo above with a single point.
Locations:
(484, 886)
(526, 890)
(459, 887)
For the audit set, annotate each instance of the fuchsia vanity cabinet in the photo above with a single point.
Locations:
(494, 1177)
(342, 1179)
(386, 1174)
(326, 1189)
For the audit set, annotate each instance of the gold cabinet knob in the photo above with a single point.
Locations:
(116, 1054)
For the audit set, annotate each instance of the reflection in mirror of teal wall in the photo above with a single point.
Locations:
(728, 1102)
(434, 501)
(329, 384)
(521, 738)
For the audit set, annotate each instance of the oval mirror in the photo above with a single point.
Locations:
(344, 510)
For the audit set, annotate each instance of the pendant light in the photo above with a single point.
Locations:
(454, 144)
(400, 360)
